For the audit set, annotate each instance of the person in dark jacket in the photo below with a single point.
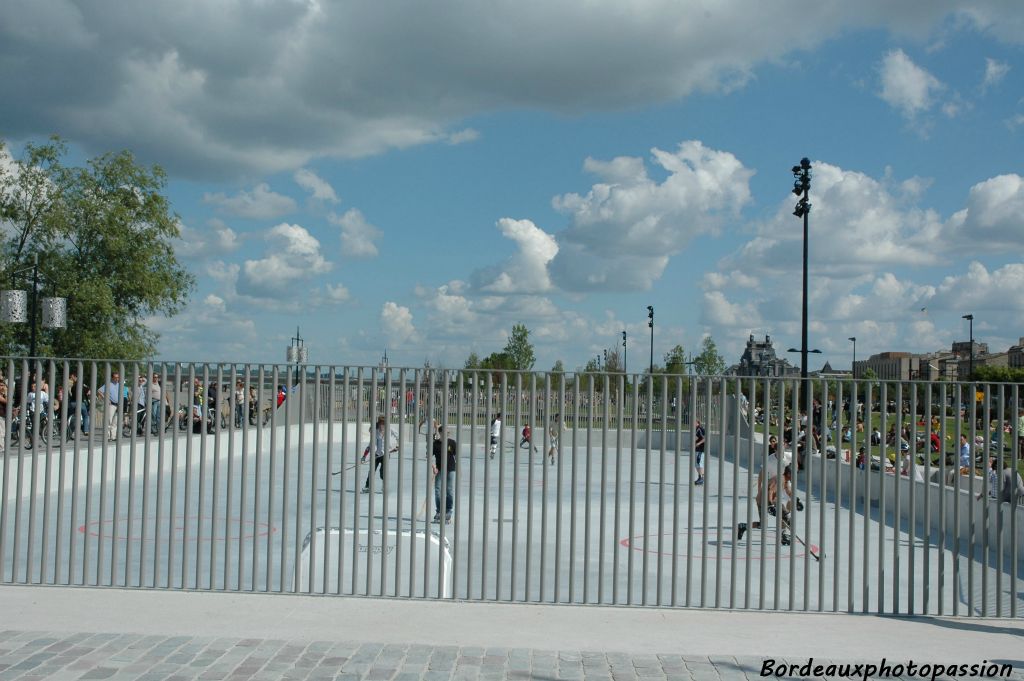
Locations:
(444, 475)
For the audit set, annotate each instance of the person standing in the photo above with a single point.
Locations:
(239, 401)
(965, 455)
(444, 477)
(156, 403)
(699, 441)
(110, 393)
(378, 454)
(141, 404)
(495, 433)
(556, 433)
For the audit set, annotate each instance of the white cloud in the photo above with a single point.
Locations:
(195, 91)
(527, 270)
(396, 323)
(260, 204)
(905, 85)
(857, 224)
(992, 219)
(318, 188)
(336, 293)
(293, 255)
(217, 240)
(978, 289)
(463, 136)
(995, 71)
(623, 231)
(357, 235)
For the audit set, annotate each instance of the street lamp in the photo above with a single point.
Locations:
(804, 354)
(13, 304)
(624, 369)
(853, 366)
(650, 316)
(297, 352)
(802, 185)
(970, 320)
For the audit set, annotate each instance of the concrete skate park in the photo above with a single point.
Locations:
(613, 521)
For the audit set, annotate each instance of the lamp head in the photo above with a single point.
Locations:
(968, 317)
(805, 163)
(796, 170)
(852, 338)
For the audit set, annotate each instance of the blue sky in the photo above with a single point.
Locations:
(422, 176)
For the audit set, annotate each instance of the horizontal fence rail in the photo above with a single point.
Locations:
(715, 492)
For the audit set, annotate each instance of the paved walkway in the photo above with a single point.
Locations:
(81, 633)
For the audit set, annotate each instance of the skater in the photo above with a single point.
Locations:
(448, 479)
(495, 433)
(378, 453)
(555, 432)
(699, 438)
(527, 441)
(770, 501)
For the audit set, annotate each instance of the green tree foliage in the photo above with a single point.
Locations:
(675, 361)
(519, 350)
(102, 235)
(709, 362)
(557, 375)
(989, 374)
(472, 362)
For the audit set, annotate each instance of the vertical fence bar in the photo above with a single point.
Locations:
(261, 380)
(735, 487)
(515, 484)
(824, 433)
(503, 413)
(553, 433)
(926, 599)
(691, 491)
(709, 420)
(172, 498)
(942, 498)
(314, 470)
(647, 488)
(1015, 455)
(78, 423)
(619, 475)
(8, 422)
(852, 493)
(723, 441)
(912, 502)
(214, 492)
(896, 524)
(955, 487)
(572, 500)
(676, 459)
(401, 404)
(485, 521)
(632, 491)
(343, 467)
(272, 475)
(474, 416)
(52, 428)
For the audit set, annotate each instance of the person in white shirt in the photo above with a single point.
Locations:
(495, 433)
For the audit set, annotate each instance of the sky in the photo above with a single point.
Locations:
(418, 177)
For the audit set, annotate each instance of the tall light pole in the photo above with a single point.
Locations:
(853, 366)
(624, 365)
(802, 186)
(650, 316)
(970, 320)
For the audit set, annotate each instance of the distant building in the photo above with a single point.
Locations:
(1015, 355)
(759, 359)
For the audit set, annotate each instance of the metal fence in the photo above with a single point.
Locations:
(604, 503)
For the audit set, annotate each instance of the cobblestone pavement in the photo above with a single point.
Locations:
(41, 655)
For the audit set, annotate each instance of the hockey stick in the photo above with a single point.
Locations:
(816, 556)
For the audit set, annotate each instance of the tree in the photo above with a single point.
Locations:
(472, 362)
(557, 375)
(709, 362)
(675, 361)
(519, 350)
(102, 235)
